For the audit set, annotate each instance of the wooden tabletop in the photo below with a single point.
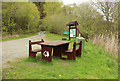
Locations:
(55, 43)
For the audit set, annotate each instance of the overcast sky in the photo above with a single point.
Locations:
(80, 1)
(74, 1)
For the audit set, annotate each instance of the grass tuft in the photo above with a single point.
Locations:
(18, 37)
(110, 43)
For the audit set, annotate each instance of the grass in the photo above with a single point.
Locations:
(108, 42)
(21, 36)
(94, 63)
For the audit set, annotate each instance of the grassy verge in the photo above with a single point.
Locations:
(21, 36)
(94, 63)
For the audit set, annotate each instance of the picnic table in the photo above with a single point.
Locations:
(58, 48)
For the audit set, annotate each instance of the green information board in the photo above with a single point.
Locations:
(72, 32)
(65, 32)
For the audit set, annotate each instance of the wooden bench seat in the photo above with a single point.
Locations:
(70, 50)
(32, 53)
(72, 53)
(36, 50)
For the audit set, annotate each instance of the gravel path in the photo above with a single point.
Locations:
(18, 48)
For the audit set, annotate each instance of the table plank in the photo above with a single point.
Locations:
(55, 43)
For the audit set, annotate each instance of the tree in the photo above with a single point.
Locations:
(40, 8)
(20, 17)
(109, 11)
(88, 19)
(51, 8)
(57, 17)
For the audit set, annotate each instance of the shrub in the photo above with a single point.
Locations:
(20, 17)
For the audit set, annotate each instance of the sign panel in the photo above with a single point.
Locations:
(46, 53)
(72, 32)
(65, 32)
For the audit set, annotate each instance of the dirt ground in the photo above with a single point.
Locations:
(13, 49)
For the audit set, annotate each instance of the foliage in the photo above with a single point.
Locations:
(51, 8)
(40, 8)
(95, 64)
(56, 20)
(87, 17)
(56, 23)
(91, 20)
(19, 17)
(110, 14)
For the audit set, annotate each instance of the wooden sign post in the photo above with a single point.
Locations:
(72, 30)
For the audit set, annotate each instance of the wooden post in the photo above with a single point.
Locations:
(72, 24)
(80, 47)
(42, 40)
(76, 28)
(74, 51)
(30, 48)
(69, 32)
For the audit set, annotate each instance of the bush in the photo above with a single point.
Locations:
(20, 17)
(56, 23)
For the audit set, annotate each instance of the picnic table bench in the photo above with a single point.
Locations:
(32, 53)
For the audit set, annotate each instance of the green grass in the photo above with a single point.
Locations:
(94, 63)
(21, 36)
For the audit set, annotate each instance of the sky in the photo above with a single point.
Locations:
(66, 2)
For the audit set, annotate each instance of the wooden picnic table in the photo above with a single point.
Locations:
(58, 48)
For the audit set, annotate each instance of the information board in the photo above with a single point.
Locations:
(72, 32)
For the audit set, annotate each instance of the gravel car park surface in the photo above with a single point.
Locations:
(13, 49)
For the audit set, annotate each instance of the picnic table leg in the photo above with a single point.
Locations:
(57, 50)
(65, 47)
(46, 53)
